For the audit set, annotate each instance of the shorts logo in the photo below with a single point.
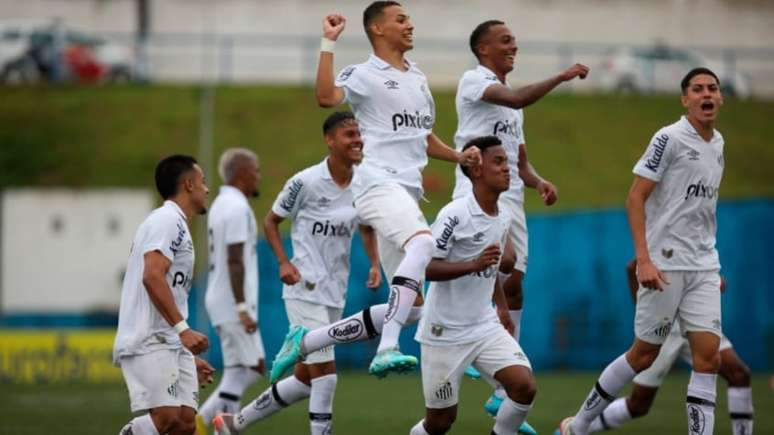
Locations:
(663, 329)
(520, 355)
(323, 202)
(172, 389)
(659, 146)
(436, 330)
(349, 331)
(697, 419)
(448, 229)
(261, 402)
(392, 303)
(593, 400)
(667, 253)
(444, 391)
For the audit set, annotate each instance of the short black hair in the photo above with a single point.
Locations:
(168, 173)
(335, 119)
(479, 32)
(375, 10)
(482, 143)
(695, 72)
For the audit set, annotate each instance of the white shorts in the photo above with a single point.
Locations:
(311, 315)
(443, 366)
(165, 377)
(517, 229)
(395, 215)
(239, 348)
(676, 345)
(692, 297)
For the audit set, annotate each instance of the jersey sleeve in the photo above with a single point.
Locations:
(520, 129)
(290, 198)
(236, 226)
(162, 235)
(657, 157)
(473, 86)
(443, 228)
(350, 80)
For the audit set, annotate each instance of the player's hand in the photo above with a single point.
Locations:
(194, 341)
(261, 367)
(289, 274)
(333, 25)
(505, 319)
(204, 372)
(470, 157)
(247, 322)
(650, 277)
(374, 278)
(722, 284)
(577, 70)
(547, 191)
(490, 256)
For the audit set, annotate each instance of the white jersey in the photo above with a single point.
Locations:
(323, 223)
(141, 328)
(460, 310)
(231, 221)
(680, 212)
(395, 112)
(476, 118)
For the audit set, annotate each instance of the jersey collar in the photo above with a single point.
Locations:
(231, 190)
(690, 129)
(473, 207)
(174, 206)
(325, 171)
(488, 72)
(381, 64)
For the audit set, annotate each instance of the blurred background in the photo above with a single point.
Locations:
(94, 92)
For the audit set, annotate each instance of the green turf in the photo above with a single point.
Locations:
(363, 405)
(113, 136)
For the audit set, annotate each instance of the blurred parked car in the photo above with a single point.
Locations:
(660, 69)
(41, 50)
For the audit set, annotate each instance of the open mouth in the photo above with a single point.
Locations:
(707, 106)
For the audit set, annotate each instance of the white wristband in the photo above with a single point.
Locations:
(181, 326)
(326, 45)
(241, 307)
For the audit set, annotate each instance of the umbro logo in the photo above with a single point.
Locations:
(323, 201)
(478, 237)
(693, 155)
(391, 84)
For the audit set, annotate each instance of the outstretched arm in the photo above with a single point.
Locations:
(438, 150)
(326, 91)
(526, 95)
(529, 175)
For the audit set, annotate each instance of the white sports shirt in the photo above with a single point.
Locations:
(141, 328)
(476, 118)
(395, 112)
(680, 212)
(460, 310)
(323, 223)
(230, 221)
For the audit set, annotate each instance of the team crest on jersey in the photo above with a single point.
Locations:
(693, 154)
(391, 84)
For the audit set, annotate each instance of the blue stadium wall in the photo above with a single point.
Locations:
(579, 314)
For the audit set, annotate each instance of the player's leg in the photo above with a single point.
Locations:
(654, 313)
(737, 374)
(323, 379)
(243, 360)
(700, 317)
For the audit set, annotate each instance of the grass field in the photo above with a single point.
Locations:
(363, 405)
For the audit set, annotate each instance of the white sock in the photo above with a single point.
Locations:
(615, 376)
(500, 392)
(419, 428)
(510, 416)
(740, 408)
(404, 288)
(515, 316)
(142, 425)
(226, 397)
(321, 404)
(700, 403)
(616, 414)
(280, 395)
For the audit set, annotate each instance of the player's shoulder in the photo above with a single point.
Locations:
(307, 176)
(456, 211)
(354, 70)
(477, 75)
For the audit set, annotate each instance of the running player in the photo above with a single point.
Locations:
(154, 346)
(318, 200)
(395, 110)
(671, 208)
(487, 105)
(460, 326)
(646, 383)
(232, 289)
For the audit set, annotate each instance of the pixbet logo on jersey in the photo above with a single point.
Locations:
(700, 190)
(504, 127)
(406, 120)
(331, 229)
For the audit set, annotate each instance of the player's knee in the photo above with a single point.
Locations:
(441, 423)
(706, 363)
(166, 420)
(638, 406)
(737, 375)
(640, 357)
(524, 391)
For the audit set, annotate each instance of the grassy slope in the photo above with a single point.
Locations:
(363, 405)
(587, 145)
